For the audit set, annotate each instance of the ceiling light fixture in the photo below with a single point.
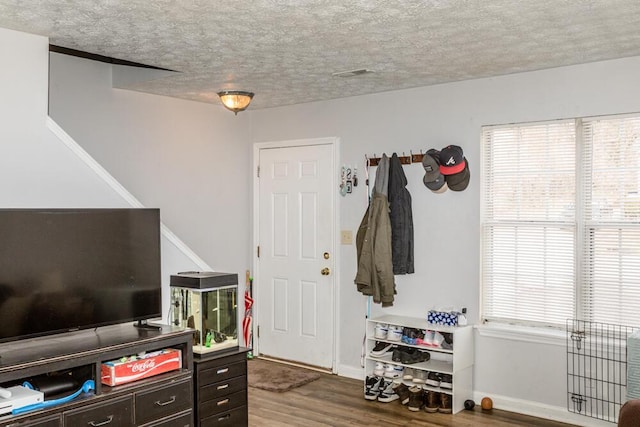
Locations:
(235, 100)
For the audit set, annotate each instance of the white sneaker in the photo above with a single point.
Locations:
(379, 369)
(393, 371)
(409, 373)
(420, 376)
(438, 339)
(428, 337)
(394, 333)
(380, 331)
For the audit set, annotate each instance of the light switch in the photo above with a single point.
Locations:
(346, 237)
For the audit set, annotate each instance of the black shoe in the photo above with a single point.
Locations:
(446, 381)
(381, 348)
(433, 379)
(388, 393)
(373, 386)
(414, 356)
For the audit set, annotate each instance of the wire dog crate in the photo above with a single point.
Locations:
(596, 368)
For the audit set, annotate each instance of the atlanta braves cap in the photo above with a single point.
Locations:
(451, 160)
(459, 181)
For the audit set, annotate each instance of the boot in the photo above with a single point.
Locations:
(431, 401)
(445, 404)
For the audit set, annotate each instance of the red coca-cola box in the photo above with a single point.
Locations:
(134, 368)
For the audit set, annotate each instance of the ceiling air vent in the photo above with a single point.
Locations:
(352, 73)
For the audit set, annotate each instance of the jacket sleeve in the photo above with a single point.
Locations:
(364, 252)
(382, 252)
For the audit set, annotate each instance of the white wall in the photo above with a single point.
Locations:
(36, 168)
(190, 159)
(519, 375)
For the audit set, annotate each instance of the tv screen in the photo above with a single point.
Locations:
(69, 269)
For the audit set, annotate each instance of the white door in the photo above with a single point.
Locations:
(296, 239)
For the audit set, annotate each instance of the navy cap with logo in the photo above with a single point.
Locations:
(459, 181)
(452, 160)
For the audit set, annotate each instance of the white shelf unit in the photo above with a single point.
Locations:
(457, 362)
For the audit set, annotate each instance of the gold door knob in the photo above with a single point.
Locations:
(325, 271)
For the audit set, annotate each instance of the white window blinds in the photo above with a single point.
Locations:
(528, 222)
(561, 222)
(610, 260)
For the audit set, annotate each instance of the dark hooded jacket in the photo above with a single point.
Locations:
(401, 219)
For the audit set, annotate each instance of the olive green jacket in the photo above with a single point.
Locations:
(373, 244)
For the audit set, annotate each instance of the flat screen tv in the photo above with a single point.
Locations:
(68, 269)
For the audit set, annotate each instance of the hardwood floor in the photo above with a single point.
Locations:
(337, 401)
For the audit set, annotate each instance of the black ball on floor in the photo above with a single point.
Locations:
(469, 404)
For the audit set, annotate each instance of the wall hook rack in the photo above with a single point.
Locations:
(404, 159)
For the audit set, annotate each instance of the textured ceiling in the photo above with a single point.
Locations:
(286, 51)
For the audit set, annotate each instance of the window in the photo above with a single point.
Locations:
(561, 222)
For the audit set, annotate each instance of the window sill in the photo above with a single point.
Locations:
(523, 333)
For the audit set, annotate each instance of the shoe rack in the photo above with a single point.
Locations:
(457, 361)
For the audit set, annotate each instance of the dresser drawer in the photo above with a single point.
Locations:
(236, 417)
(52, 421)
(112, 413)
(182, 420)
(161, 402)
(222, 404)
(222, 388)
(220, 372)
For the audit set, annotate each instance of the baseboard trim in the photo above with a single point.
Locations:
(350, 372)
(293, 363)
(540, 410)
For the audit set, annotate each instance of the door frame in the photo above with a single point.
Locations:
(334, 142)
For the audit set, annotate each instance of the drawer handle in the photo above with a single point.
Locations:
(223, 402)
(225, 417)
(223, 386)
(101, 423)
(223, 370)
(168, 402)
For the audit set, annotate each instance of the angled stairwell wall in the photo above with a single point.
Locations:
(41, 166)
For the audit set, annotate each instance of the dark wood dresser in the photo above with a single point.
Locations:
(220, 388)
(163, 400)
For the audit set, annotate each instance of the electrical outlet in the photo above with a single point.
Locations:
(346, 237)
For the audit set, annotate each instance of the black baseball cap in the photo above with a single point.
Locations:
(459, 181)
(452, 160)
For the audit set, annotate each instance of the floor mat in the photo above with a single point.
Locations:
(277, 377)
